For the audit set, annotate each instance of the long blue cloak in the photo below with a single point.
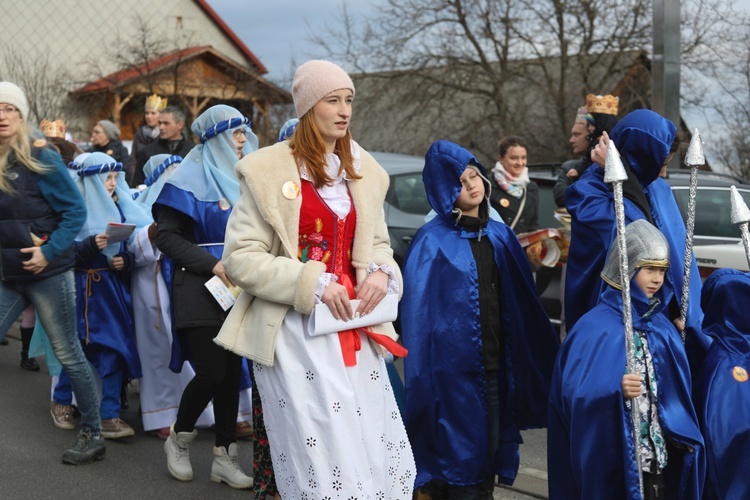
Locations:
(446, 414)
(589, 438)
(723, 400)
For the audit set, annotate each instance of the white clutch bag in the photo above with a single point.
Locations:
(322, 322)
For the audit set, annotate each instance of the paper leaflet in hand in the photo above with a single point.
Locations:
(224, 295)
(322, 322)
(118, 232)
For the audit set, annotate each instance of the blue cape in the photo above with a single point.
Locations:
(446, 414)
(643, 139)
(589, 438)
(723, 393)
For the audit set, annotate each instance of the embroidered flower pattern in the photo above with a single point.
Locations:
(282, 403)
(309, 375)
(336, 406)
(374, 375)
(311, 442)
(336, 485)
(336, 471)
(313, 246)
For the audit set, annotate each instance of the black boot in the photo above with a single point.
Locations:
(26, 362)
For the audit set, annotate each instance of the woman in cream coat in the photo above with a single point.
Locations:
(309, 221)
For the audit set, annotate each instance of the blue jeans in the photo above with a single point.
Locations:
(55, 302)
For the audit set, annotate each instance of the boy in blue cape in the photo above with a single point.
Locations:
(481, 348)
(723, 393)
(590, 446)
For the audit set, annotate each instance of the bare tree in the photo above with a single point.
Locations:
(475, 70)
(44, 82)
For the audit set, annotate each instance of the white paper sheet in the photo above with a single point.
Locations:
(322, 322)
(119, 232)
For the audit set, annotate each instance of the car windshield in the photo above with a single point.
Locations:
(408, 195)
(712, 210)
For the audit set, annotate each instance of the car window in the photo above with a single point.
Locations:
(713, 210)
(547, 207)
(408, 195)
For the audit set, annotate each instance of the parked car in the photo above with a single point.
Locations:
(405, 202)
(716, 242)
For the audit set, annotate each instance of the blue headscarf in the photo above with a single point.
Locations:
(101, 206)
(208, 169)
(288, 129)
(157, 169)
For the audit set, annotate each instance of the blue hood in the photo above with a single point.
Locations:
(643, 138)
(724, 303)
(445, 162)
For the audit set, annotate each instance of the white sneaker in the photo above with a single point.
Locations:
(177, 449)
(226, 468)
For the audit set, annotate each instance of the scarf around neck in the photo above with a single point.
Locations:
(512, 185)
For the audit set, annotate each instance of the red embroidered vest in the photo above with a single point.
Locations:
(323, 236)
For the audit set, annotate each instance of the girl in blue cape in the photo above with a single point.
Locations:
(102, 278)
(646, 142)
(481, 348)
(723, 400)
(590, 449)
(192, 211)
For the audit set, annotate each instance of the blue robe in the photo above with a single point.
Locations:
(723, 394)
(643, 139)
(446, 412)
(590, 438)
(105, 310)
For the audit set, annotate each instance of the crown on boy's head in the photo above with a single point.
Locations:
(155, 103)
(603, 104)
(53, 129)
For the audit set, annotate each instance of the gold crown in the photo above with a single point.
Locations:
(53, 129)
(155, 103)
(604, 104)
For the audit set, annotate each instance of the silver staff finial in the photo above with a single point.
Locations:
(614, 170)
(694, 156)
(740, 212)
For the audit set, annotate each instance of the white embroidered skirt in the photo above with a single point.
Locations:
(334, 431)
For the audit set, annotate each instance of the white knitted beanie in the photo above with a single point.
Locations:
(314, 80)
(10, 93)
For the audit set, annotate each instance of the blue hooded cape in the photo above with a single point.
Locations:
(723, 392)
(590, 437)
(643, 139)
(446, 413)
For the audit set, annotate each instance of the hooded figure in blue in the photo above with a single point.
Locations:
(102, 279)
(590, 451)
(481, 348)
(644, 140)
(723, 400)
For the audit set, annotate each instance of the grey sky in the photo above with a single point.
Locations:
(276, 31)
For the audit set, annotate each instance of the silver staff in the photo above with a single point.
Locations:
(615, 174)
(693, 159)
(741, 217)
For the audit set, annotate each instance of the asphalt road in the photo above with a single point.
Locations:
(31, 450)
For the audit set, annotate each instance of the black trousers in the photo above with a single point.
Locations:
(653, 486)
(217, 377)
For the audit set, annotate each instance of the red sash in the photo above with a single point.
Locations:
(351, 342)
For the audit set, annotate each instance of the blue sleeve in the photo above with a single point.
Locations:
(64, 198)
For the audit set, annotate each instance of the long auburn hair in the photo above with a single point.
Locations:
(309, 149)
(18, 148)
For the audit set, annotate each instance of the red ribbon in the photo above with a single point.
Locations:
(350, 340)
